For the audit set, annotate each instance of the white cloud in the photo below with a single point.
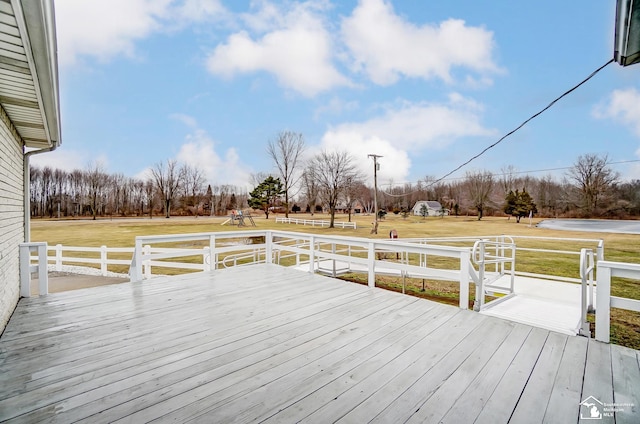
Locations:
(425, 125)
(68, 160)
(622, 106)
(296, 49)
(386, 46)
(394, 165)
(199, 150)
(187, 120)
(401, 130)
(335, 106)
(107, 29)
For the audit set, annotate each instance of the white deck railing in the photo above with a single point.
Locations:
(62, 255)
(315, 222)
(607, 270)
(309, 249)
(335, 254)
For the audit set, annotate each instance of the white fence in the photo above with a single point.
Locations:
(316, 223)
(607, 270)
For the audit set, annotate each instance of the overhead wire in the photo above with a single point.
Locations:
(523, 123)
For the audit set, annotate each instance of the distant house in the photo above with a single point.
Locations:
(29, 124)
(356, 207)
(434, 208)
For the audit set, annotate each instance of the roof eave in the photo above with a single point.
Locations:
(627, 32)
(36, 21)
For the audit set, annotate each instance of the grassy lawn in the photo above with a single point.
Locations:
(625, 328)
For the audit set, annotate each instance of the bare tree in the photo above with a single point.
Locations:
(167, 180)
(194, 181)
(479, 185)
(286, 152)
(508, 178)
(350, 193)
(548, 195)
(77, 190)
(149, 194)
(137, 196)
(96, 182)
(333, 171)
(310, 186)
(592, 177)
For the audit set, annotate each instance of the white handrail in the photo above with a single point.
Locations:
(587, 268)
(607, 270)
(480, 257)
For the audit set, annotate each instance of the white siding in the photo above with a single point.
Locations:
(11, 221)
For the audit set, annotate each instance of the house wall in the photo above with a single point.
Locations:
(11, 219)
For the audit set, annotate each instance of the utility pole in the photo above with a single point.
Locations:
(376, 166)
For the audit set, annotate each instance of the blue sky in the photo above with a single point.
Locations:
(425, 84)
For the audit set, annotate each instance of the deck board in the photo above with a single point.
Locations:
(271, 344)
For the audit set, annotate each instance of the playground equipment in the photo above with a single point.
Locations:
(237, 217)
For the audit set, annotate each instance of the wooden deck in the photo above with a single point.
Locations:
(271, 344)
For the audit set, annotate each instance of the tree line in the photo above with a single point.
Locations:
(330, 181)
(589, 188)
(170, 188)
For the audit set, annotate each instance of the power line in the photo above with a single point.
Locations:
(524, 123)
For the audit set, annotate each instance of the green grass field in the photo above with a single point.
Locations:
(625, 327)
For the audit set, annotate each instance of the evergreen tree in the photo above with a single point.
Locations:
(519, 204)
(265, 195)
(510, 203)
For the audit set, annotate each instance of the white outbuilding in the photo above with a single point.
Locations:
(434, 208)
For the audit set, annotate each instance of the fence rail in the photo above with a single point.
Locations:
(316, 222)
(606, 271)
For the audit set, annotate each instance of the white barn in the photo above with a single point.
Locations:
(29, 124)
(434, 208)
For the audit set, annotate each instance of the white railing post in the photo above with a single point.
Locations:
(206, 259)
(58, 257)
(603, 313)
(584, 271)
(312, 254)
(43, 275)
(592, 267)
(479, 303)
(333, 261)
(103, 260)
(135, 269)
(268, 239)
(24, 252)
(600, 251)
(146, 264)
(213, 254)
(25, 270)
(465, 257)
(371, 259)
